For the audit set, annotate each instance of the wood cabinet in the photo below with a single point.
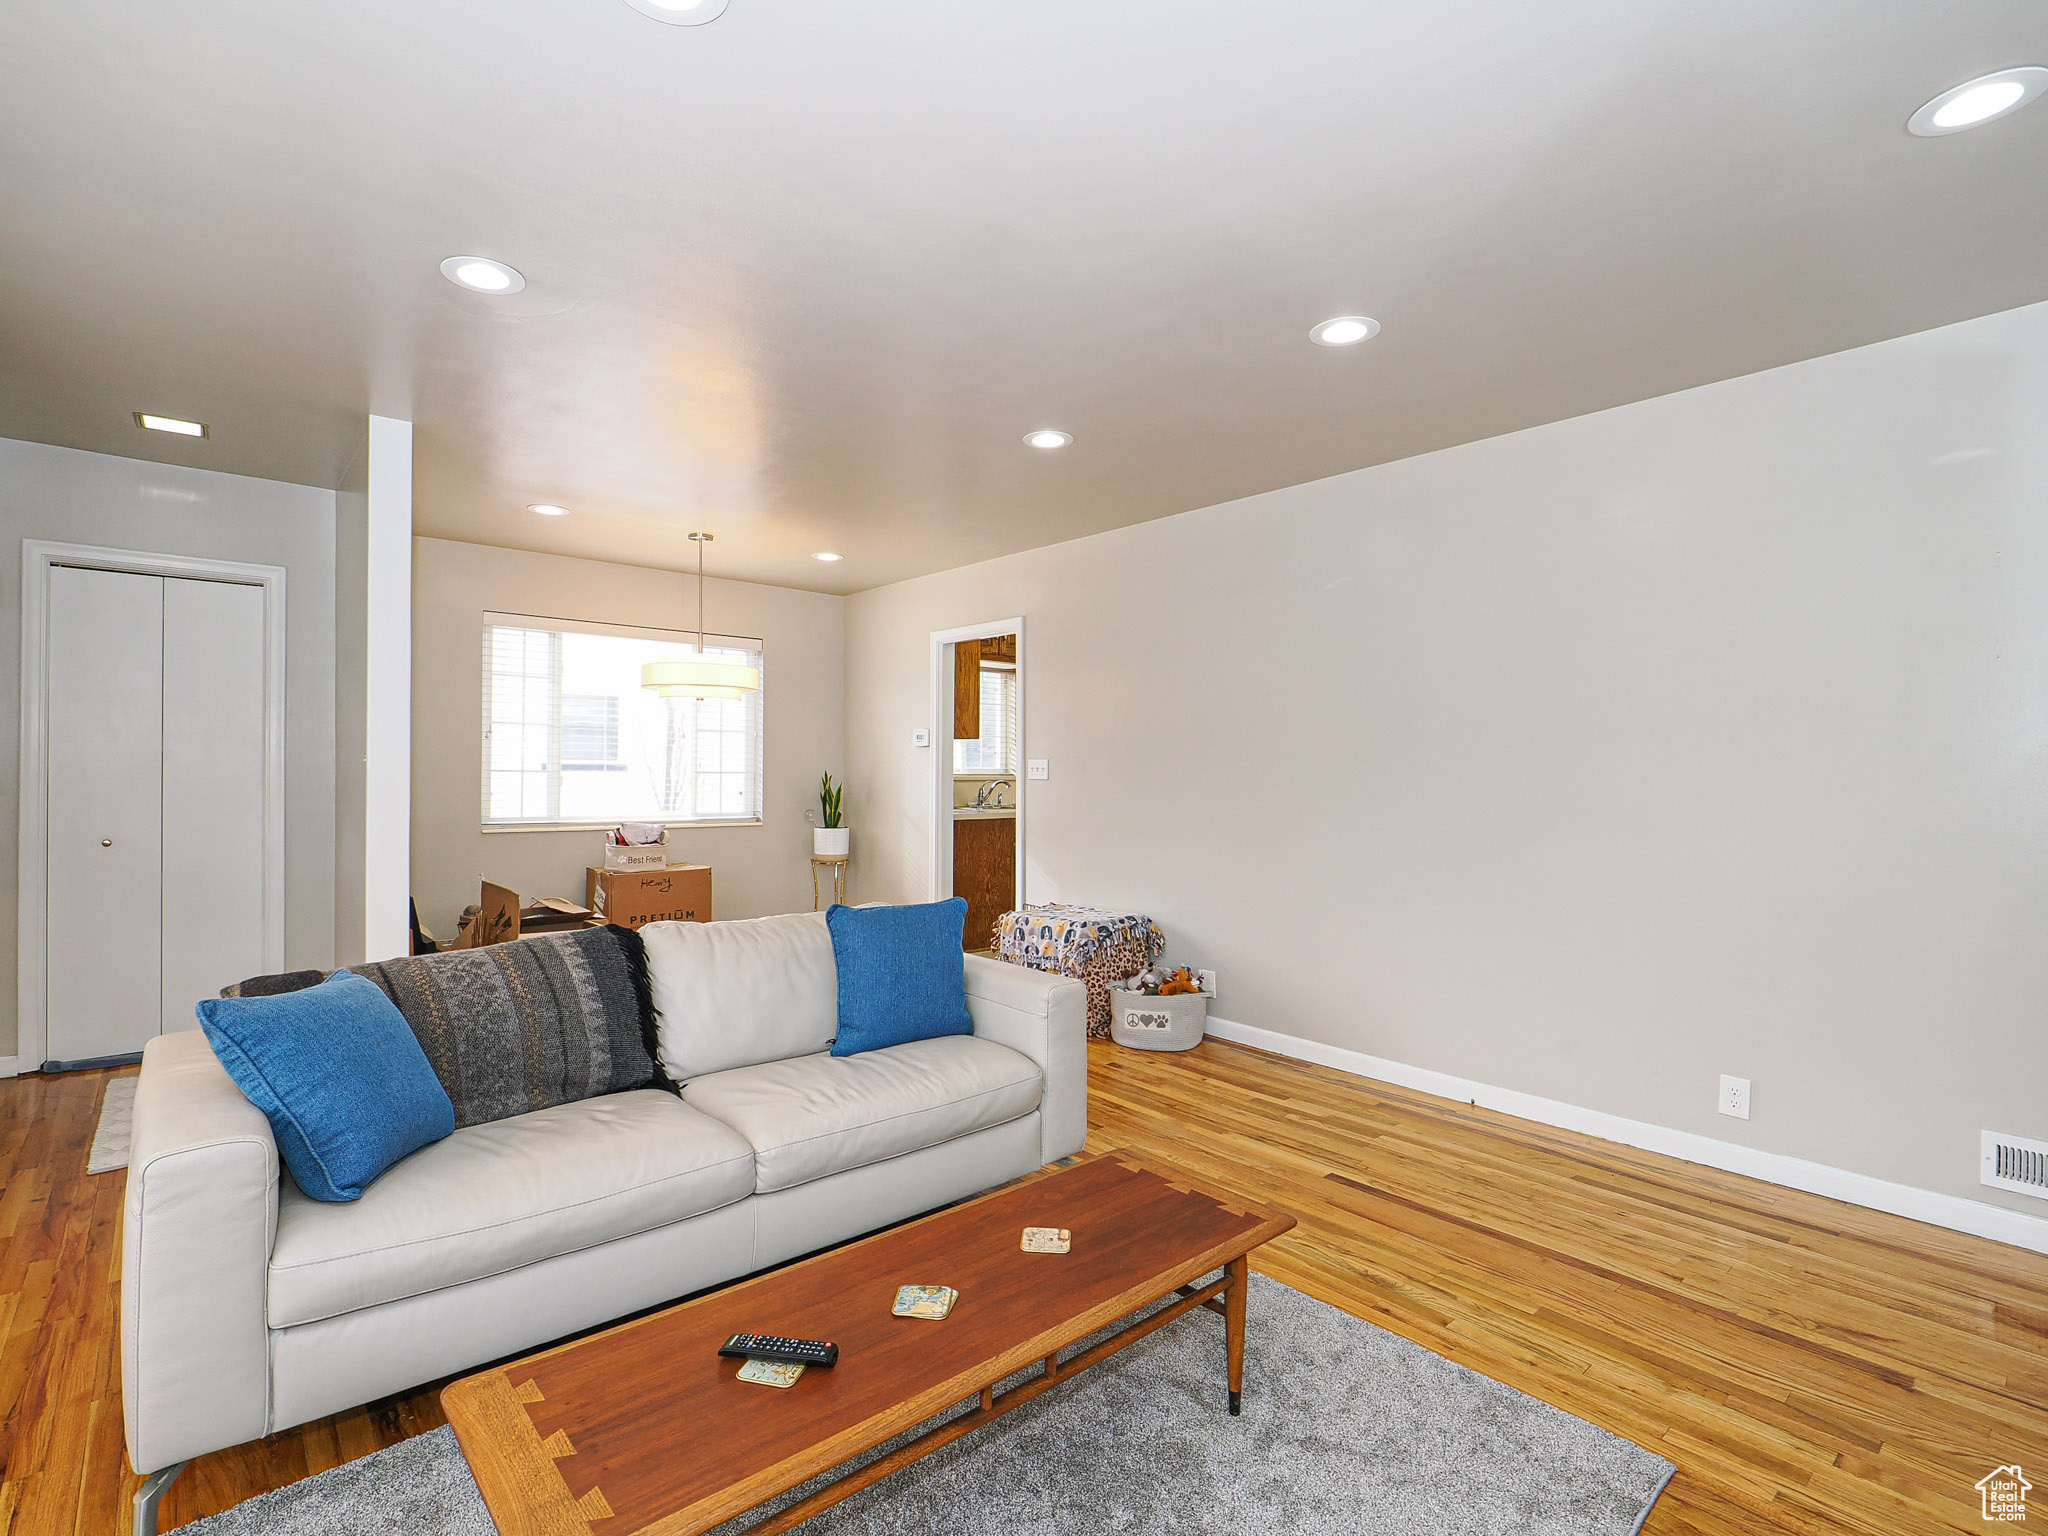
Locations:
(967, 690)
(984, 871)
(968, 655)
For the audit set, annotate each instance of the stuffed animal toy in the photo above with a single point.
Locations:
(1158, 983)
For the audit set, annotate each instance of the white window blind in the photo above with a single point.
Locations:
(996, 750)
(570, 738)
(590, 731)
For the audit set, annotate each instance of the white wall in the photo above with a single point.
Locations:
(755, 869)
(387, 668)
(351, 702)
(373, 666)
(92, 498)
(1708, 734)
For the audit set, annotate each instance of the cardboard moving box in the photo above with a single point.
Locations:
(636, 855)
(678, 893)
(500, 916)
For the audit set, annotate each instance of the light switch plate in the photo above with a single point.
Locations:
(920, 738)
(1041, 768)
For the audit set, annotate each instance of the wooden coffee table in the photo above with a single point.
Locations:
(643, 1428)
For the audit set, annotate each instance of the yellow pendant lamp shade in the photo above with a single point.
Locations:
(675, 677)
(699, 677)
(701, 693)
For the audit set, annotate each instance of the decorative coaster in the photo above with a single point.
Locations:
(771, 1373)
(927, 1301)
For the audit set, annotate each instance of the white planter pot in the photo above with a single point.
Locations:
(831, 842)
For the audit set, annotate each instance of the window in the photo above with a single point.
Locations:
(590, 731)
(570, 738)
(996, 751)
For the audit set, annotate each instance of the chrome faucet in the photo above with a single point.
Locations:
(981, 796)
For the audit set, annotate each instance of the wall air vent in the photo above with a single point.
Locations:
(2013, 1162)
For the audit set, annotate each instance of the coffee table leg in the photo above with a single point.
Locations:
(1238, 1272)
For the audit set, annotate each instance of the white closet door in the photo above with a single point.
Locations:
(213, 783)
(105, 723)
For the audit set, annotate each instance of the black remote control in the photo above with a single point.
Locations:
(768, 1346)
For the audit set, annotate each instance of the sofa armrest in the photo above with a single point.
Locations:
(197, 1228)
(1046, 1018)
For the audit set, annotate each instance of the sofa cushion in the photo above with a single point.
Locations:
(342, 1081)
(736, 993)
(902, 975)
(823, 1114)
(274, 984)
(517, 1027)
(493, 1197)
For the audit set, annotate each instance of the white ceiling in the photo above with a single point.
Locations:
(804, 276)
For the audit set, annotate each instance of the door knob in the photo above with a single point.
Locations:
(106, 842)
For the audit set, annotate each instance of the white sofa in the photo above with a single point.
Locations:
(247, 1308)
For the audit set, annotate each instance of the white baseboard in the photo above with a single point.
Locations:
(1951, 1211)
(10, 1066)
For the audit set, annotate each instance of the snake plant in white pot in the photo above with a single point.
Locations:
(831, 839)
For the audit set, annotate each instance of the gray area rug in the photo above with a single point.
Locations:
(109, 1149)
(1346, 1429)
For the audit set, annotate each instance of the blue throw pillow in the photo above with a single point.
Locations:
(902, 974)
(338, 1073)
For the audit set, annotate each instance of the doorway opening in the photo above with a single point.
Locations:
(978, 801)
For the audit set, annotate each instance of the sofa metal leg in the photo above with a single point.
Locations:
(151, 1494)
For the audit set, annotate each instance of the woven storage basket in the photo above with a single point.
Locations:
(1158, 1023)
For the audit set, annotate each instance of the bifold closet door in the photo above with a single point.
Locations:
(104, 722)
(213, 792)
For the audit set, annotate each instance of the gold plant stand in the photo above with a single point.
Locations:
(836, 862)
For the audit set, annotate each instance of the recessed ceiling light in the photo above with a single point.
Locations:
(172, 424)
(480, 274)
(1978, 101)
(548, 509)
(1048, 438)
(680, 13)
(826, 554)
(1345, 331)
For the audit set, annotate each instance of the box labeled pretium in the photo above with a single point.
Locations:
(632, 898)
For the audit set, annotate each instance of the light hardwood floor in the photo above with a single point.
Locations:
(1809, 1367)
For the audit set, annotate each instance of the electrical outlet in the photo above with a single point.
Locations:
(1734, 1096)
(811, 817)
(1040, 768)
(1206, 980)
(920, 738)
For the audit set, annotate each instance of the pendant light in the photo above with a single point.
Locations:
(697, 677)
